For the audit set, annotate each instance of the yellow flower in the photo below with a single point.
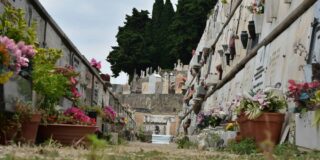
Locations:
(230, 127)
(4, 77)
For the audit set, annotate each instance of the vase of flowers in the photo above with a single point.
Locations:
(307, 99)
(210, 119)
(259, 113)
(109, 114)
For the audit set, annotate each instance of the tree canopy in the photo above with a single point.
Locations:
(160, 40)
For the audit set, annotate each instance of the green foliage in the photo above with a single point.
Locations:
(224, 1)
(51, 143)
(96, 109)
(246, 146)
(188, 26)
(96, 146)
(161, 40)
(50, 85)
(316, 102)
(14, 25)
(254, 106)
(285, 149)
(184, 143)
(131, 53)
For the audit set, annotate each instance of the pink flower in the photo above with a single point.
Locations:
(94, 63)
(75, 92)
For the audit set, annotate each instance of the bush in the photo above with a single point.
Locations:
(184, 143)
(246, 146)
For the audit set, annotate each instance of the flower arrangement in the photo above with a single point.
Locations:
(78, 116)
(307, 97)
(94, 63)
(211, 118)
(109, 114)
(262, 101)
(256, 8)
(73, 115)
(121, 121)
(13, 57)
(304, 94)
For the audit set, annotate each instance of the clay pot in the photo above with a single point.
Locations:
(65, 134)
(29, 128)
(245, 126)
(267, 126)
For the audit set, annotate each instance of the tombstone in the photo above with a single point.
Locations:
(145, 88)
(153, 79)
(179, 83)
(126, 89)
(165, 84)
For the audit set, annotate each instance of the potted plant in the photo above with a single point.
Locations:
(307, 99)
(9, 126)
(68, 128)
(51, 84)
(29, 120)
(259, 115)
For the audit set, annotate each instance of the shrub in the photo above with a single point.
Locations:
(246, 146)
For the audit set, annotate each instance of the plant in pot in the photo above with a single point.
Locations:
(20, 125)
(307, 120)
(258, 115)
(29, 120)
(9, 126)
(51, 84)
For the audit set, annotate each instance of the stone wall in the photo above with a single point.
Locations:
(156, 103)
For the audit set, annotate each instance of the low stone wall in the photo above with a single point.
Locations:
(156, 103)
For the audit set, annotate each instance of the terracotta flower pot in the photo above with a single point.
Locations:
(8, 135)
(268, 126)
(29, 128)
(64, 133)
(245, 126)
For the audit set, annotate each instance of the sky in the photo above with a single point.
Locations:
(93, 24)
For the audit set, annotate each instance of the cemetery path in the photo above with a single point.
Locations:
(133, 150)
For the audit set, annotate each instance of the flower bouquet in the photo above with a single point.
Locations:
(259, 117)
(109, 114)
(13, 57)
(256, 8)
(211, 118)
(306, 97)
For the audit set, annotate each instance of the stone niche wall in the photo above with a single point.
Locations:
(156, 103)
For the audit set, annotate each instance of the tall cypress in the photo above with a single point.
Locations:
(188, 26)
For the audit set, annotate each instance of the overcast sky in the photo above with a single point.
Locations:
(93, 24)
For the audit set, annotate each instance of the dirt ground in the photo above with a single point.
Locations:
(130, 151)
